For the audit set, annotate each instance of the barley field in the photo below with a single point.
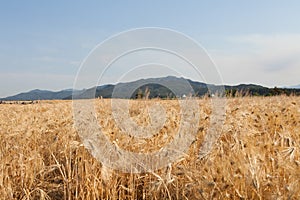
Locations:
(257, 155)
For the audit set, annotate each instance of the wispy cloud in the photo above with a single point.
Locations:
(47, 59)
(265, 59)
(75, 63)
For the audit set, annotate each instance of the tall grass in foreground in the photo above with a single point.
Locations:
(256, 157)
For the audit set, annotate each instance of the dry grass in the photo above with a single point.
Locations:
(256, 157)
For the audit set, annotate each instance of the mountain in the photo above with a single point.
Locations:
(164, 87)
(295, 86)
(39, 95)
(169, 86)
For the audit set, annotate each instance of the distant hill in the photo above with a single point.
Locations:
(39, 95)
(295, 86)
(164, 87)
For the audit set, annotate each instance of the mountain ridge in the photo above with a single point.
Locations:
(294, 87)
(161, 87)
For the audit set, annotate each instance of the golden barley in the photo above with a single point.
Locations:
(257, 155)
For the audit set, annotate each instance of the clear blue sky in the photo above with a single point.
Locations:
(42, 43)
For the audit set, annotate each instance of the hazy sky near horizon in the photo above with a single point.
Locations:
(44, 42)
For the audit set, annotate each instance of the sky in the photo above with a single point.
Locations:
(43, 43)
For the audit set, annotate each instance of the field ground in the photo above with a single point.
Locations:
(256, 157)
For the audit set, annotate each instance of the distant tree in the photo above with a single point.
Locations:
(139, 94)
(231, 92)
(276, 91)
